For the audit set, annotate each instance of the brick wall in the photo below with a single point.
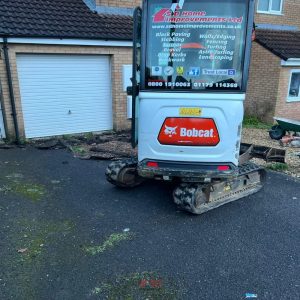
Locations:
(263, 83)
(120, 3)
(268, 87)
(290, 15)
(286, 109)
(119, 57)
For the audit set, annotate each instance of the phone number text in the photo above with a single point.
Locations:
(195, 84)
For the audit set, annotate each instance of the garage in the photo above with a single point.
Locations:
(65, 94)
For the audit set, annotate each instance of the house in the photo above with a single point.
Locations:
(274, 79)
(62, 62)
(61, 67)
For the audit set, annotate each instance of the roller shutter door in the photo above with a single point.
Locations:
(65, 94)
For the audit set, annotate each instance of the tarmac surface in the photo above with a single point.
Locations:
(68, 234)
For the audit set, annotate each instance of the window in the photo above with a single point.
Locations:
(294, 87)
(196, 47)
(269, 6)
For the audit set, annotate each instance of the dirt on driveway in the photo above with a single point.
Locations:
(114, 146)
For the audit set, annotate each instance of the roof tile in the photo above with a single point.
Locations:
(60, 19)
(285, 44)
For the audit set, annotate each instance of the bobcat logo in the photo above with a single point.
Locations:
(170, 131)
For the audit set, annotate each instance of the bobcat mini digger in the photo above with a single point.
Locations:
(190, 71)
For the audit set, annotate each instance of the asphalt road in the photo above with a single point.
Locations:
(82, 238)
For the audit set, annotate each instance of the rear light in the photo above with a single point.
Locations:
(152, 164)
(223, 168)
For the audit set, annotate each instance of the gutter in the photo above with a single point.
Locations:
(11, 90)
(291, 62)
(68, 41)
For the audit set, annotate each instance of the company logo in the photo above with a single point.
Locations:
(180, 70)
(176, 14)
(194, 71)
(219, 72)
(169, 71)
(170, 131)
(196, 133)
(231, 72)
(156, 71)
(189, 132)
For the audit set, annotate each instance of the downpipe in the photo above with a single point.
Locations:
(11, 90)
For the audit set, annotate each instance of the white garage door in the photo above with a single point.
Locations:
(65, 94)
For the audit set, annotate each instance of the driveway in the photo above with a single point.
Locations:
(68, 234)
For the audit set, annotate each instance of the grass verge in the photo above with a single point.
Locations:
(279, 167)
(254, 122)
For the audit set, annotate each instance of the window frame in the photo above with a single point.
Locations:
(246, 61)
(289, 98)
(270, 11)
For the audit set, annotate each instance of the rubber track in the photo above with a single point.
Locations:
(185, 195)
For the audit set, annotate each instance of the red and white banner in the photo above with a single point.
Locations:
(189, 132)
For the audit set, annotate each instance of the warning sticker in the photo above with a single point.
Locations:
(190, 111)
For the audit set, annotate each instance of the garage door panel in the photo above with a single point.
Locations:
(59, 118)
(66, 94)
(63, 94)
(65, 110)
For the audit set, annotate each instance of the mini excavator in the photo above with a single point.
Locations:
(190, 70)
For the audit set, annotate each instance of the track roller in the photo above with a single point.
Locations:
(198, 198)
(123, 173)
